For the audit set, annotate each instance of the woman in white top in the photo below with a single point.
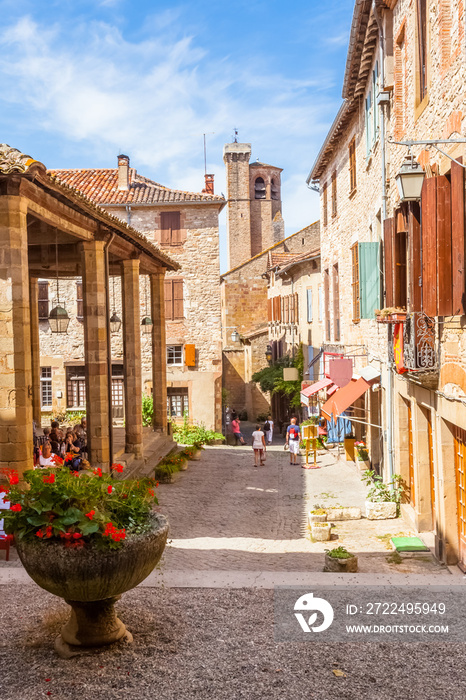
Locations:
(46, 456)
(258, 445)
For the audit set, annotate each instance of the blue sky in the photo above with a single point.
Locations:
(82, 80)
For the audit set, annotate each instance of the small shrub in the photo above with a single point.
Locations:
(147, 410)
(198, 435)
(339, 553)
(319, 511)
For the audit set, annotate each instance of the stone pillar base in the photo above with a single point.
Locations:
(93, 623)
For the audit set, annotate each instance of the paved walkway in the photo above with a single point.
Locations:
(227, 515)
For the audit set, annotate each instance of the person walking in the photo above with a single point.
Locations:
(268, 430)
(236, 428)
(293, 436)
(258, 445)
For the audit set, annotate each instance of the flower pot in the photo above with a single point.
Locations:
(196, 456)
(321, 531)
(315, 518)
(91, 580)
(343, 514)
(184, 465)
(338, 566)
(381, 511)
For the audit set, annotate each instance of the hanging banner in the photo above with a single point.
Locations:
(398, 348)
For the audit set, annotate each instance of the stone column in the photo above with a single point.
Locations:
(16, 439)
(96, 352)
(159, 352)
(35, 349)
(132, 356)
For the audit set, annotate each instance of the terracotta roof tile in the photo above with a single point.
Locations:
(280, 259)
(101, 186)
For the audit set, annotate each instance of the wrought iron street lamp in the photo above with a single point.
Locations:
(409, 180)
(235, 336)
(58, 317)
(115, 320)
(146, 322)
(269, 354)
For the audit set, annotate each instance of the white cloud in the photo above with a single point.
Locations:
(154, 98)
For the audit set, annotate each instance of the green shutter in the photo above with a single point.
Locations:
(369, 278)
(309, 305)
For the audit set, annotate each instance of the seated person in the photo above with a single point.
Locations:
(46, 456)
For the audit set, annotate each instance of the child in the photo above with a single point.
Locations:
(258, 445)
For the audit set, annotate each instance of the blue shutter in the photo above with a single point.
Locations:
(309, 305)
(369, 278)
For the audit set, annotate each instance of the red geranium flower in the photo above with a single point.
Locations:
(4, 489)
(56, 459)
(97, 472)
(77, 535)
(16, 508)
(49, 479)
(90, 515)
(48, 531)
(109, 488)
(156, 485)
(40, 534)
(151, 492)
(13, 478)
(118, 467)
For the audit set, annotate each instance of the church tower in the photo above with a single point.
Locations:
(254, 206)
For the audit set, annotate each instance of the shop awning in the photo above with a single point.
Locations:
(344, 397)
(317, 386)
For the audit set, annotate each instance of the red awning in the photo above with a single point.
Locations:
(344, 397)
(317, 386)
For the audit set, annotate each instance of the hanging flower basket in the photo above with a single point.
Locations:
(390, 315)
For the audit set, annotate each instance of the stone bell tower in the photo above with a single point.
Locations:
(254, 204)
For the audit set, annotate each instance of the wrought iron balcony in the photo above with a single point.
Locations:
(419, 343)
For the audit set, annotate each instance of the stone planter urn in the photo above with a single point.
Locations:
(321, 532)
(381, 511)
(196, 456)
(343, 514)
(316, 517)
(91, 580)
(184, 465)
(338, 566)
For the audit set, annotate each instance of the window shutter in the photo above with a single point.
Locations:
(321, 303)
(175, 225)
(415, 273)
(400, 261)
(79, 300)
(429, 246)
(309, 305)
(165, 228)
(296, 308)
(178, 311)
(43, 300)
(458, 238)
(388, 236)
(269, 310)
(168, 300)
(444, 269)
(190, 355)
(369, 279)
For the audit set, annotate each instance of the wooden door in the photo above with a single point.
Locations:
(431, 470)
(460, 469)
(411, 456)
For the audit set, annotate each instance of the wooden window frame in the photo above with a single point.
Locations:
(170, 234)
(325, 205)
(334, 194)
(46, 386)
(352, 165)
(355, 283)
(175, 355)
(174, 393)
(174, 303)
(43, 293)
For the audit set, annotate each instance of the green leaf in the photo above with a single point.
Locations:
(88, 527)
(72, 516)
(37, 520)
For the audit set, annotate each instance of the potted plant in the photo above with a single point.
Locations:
(382, 500)
(318, 515)
(87, 538)
(321, 532)
(193, 452)
(391, 314)
(339, 560)
(362, 455)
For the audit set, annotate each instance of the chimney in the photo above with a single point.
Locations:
(123, 172)
(209, 184)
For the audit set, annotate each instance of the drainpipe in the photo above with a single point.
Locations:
(109, 349)
(384, 216)
(128, 214)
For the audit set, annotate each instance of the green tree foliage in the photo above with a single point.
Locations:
(271, 378)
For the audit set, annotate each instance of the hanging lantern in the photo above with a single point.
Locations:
(235, 336)
(115, 323)
(115, 320)
(147, 324)
(409, 180)
(58, 317)
(269, 353)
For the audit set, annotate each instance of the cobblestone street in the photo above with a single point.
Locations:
(227, 515)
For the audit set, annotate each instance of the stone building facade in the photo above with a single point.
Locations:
(185, 225)
(244, 292)
(404, 79)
